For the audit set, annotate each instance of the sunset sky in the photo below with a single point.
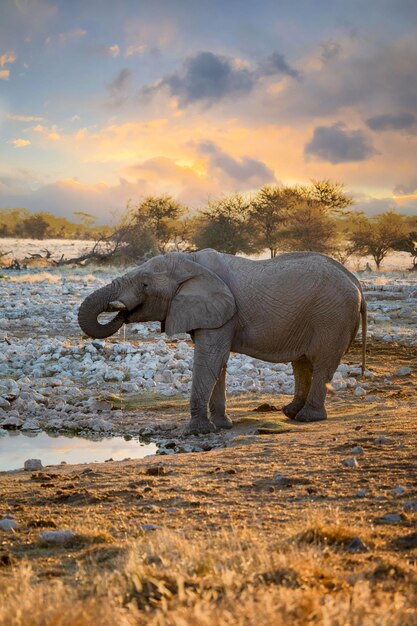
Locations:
(104, 101)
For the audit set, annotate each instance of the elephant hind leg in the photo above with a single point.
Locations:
(302, 376)
(217, 403)
(314, 409)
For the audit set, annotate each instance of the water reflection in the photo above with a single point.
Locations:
(52, 448)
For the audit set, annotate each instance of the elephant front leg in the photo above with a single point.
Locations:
(212, 348)
(217, 403)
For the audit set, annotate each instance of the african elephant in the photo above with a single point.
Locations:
(301, 307)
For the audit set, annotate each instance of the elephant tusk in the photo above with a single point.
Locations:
(116, 305)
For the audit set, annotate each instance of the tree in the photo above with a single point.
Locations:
(269, 212)
(377, 235)
(310, 227)
(85, 218)
(408, 243)
(331, 196)
(35, 227)
(153, 222)
(224, 226)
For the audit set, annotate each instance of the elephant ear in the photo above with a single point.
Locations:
(203, 300)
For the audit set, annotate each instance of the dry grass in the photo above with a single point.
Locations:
(234, 578)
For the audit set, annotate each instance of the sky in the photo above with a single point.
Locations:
(103, 103)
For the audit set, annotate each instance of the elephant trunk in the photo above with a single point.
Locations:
(94, 304)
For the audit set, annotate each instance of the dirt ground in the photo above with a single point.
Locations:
(260, 532)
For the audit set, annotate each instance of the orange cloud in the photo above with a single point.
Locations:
(20, 143)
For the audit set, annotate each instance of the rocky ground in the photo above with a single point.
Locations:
(51, 377)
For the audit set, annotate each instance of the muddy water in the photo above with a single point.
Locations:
(16, 448)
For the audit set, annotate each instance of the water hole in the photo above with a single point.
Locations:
(16, 447)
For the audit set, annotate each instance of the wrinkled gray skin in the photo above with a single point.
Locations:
(301, 307)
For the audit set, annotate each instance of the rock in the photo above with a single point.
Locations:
(155, 470)
(4, 404)
(410, 506)
(403, 371)
(8, 523)
(12, 422)
(266, 408)
(32, 465)
(149, 527)
(381, 440)
(390, 518)
(350, 462)
(357, 450)
(398, 491)
(9, 389)
(59, 537)
(357, 546)
(361, 493)
(359, 391)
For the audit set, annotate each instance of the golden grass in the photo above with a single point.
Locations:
(235, 577)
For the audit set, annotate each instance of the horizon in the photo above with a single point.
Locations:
(102, 104)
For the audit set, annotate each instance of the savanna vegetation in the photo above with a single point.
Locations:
(318, 217)
(42, 225)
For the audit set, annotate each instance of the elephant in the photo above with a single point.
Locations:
(300, 307)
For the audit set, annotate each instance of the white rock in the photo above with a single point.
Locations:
(403, 371)
(350, 462)
(359, 391)
(32, 465)
(57, 536)
(4, 404)
(12, 420)
(8, 523)
(9, 389)
(130, 387)
(357, 450)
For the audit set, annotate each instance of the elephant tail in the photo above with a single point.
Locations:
(364, 324)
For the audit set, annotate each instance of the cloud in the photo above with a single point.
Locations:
(114, 50)
(337, 144)
(276, 64)
(400, 122)
(49, 133)
(119, 87)
(246, 170)
(330, 50)
(64, 38)
(136, 49)
(405, 189)
(6, 59)
(366, 77)
(62, 196)
(24, 118)
(372, 206)
(4, 74)
(20, 143)
(206, 77)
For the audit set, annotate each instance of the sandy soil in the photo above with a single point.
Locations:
(286, 487)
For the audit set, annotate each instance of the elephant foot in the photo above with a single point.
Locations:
(308, 414)
(291, 409)
(199, 427)
(222, 421)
